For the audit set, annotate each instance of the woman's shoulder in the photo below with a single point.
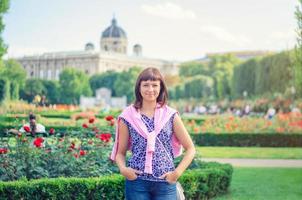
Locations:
(126, 111)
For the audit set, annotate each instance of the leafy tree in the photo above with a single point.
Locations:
(32, 88)
(51, 91)
(244, 77)
(105, 79)
(4, 5)
(192, 69)
(198, 87)
(221, 70)
(14, 75)
(4, 89)
(125, 82)
(298, 60)
(73, 84)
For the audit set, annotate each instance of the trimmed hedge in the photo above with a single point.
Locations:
(208, 181)
(248, 139)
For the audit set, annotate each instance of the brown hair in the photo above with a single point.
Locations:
(151, 74)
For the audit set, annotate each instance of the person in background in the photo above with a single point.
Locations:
(33, 126)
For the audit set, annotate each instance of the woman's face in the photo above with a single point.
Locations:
(150, 90)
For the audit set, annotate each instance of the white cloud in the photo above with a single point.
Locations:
(225, 36)
(168, 10)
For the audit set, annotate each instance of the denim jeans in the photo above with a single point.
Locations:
(149, 190)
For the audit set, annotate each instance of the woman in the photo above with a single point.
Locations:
(155, 134)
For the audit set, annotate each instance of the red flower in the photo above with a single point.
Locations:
(3, 150)
(85, 126)
(83, 152)
(51, 131)
(109, 118)
(105, 137)
(91, 120)
(26, 128)
(72, 146)
(76, 155)
(38, 142)
(111, 123)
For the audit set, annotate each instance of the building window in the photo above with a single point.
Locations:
(49, 74)
(57, 74)
(31, 73)
(106, 48)
(87, 71)
(41, 73)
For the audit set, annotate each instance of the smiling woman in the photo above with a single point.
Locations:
(155, 134)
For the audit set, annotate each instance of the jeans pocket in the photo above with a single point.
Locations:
(131, 179)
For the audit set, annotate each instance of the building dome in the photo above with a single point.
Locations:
(89, 46)
(114, 31)
(137, 50)
(114, 39)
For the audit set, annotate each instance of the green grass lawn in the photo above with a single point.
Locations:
(250, 152)
(265, 184)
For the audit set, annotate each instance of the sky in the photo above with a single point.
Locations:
(178, 30)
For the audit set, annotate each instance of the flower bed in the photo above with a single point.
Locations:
(81, 153)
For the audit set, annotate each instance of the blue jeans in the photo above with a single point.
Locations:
(139, 189)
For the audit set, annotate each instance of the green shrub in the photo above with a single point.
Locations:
(248, 139)
(208, 181)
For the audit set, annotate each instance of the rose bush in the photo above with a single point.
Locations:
(83, 153)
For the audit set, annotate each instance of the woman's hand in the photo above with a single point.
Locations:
(130, 173)
(171, 177)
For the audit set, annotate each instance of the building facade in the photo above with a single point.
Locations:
(111, 56)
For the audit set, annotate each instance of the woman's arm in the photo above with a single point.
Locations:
(123, 139)
(184, 138)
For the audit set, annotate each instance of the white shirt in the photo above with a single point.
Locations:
(39, 128)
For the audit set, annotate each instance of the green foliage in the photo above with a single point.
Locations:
(13, 76)
(204, 183)
(4, 5)
(32, 88)
(268, 75)
(105, 79)
(274, 74)
(73, 84)
(298, 51)
(189, 69)
(213, 79)
(246, 139)
(4, 89)
(82, 153)
(125, 82)
(199, 86)
(221, 68)
(52, 91)
(244, 78)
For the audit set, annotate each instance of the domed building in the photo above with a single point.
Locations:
(111, 56)
(114, 39)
